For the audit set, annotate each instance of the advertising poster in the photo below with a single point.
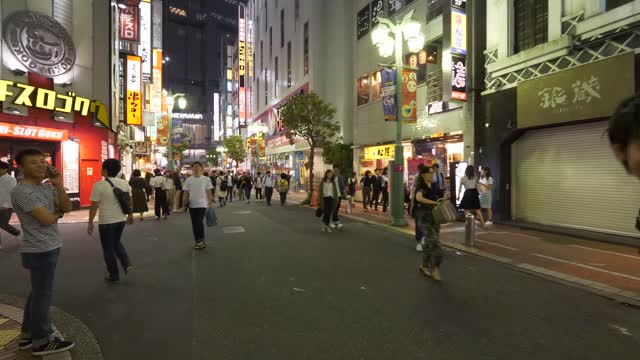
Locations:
(71, 166)
(156, 86)
(176, 133)
(388, 94)
(409, 100)
(134, 90)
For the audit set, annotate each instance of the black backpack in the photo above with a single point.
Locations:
(124, 200)
(223, 184)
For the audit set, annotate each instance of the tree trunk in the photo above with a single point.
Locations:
(311, 164)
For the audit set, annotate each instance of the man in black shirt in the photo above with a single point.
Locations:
(377, 189)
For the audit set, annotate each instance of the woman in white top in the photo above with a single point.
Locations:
(486, 193)
(471, 199)
(329, 194)
(222, 194)
(170, 188)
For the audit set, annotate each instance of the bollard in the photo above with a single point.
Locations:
(469, 229)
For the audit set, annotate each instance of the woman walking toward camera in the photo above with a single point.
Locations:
(486, 193)
(138, 193)
(426, 198)
(329, 194)
(471, 199)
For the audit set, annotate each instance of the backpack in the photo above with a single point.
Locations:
(124, 200)
(223, 184)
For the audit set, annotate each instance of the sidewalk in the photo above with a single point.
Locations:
(608, 269)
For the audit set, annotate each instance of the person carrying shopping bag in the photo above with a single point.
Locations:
(426, 199)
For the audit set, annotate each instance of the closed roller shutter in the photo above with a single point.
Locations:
(567, 176)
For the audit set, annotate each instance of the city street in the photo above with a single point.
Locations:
(270, 285)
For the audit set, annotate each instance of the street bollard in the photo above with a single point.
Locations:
(469, 229)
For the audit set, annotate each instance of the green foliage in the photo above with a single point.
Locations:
(235, 148)
(311, 118)
(182, 147)
(213, 157)
(340, 155)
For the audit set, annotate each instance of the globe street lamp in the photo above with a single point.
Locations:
(182, 104)
(386, 44)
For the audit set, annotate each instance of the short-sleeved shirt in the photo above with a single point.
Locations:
(199, 189)
(109, 211)
(158, 182)
(37, 238)
(7, 182)
(485, 181)
(428, 193)
(469, 183)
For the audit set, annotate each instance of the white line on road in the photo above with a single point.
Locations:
(515, 234)
(587, 267)
(496, 244)
(606, 252)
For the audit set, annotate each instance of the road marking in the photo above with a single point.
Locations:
(516, 234)
(457, 229)
(606, 252)
(587, 267)
(242, 212)
(496, 244)
(233, 229)
(623, 331)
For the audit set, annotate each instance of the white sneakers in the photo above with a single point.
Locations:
(419, 247)
(488, 223)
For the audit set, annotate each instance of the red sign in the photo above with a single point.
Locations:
(32, 132)
(409, 91)
(129, 23)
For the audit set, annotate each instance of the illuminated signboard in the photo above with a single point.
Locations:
(32, 132)
(134, 90)
(156, 86)
(129, 18)
(379, 152)
(144, 49)
(458, 32)
(458, 78)
(189, 116)
(242, 113)
(462, 4)
(216, 116)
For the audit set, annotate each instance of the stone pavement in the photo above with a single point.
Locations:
(607, 269)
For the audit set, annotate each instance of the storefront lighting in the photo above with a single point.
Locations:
(122, 6)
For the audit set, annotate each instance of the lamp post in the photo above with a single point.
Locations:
(182, 104)
(387, 45)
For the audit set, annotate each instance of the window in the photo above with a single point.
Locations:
(257, 87)
(289, 64)
(282, 28)
(306, 48)
(531, 18)
(261, 55)
(266, 16)
(435, 8)
(376, 86)
(270, 42)
(266, 88)
(297, 9)
(612, 4)
(275, 83)
(364, 90)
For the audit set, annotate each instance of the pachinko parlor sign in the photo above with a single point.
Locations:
(33, 97)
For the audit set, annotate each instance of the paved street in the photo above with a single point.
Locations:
(282, 290)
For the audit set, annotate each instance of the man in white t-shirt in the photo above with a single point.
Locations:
(7, 183)
(159, 185)
(112, 219)
(269, 183)
(259, 181)
(198, 190)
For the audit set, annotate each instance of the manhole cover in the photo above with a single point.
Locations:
(233, 229)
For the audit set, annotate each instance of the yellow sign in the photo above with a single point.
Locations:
(50, 100)
(379, 152)
(134, 90)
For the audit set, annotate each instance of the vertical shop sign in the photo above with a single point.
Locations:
(242, 38)
(134, 90)
(156, 85)
(458, 78)
(71, 166)
(409, 102)
(162, 124)
(363, 22)
(144, 49)
(216, 116)
(388, 94)
(458, 32)
(377, 10)
(129, 23)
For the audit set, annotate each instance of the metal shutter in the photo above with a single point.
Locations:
(567, 176)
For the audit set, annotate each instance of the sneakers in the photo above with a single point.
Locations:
(488, 223)
(200, 245)
(338, 225)
(435, 273)
(25, 344)
(419, 247)
(52, 347)
(326, 228)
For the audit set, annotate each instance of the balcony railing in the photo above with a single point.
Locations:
(434, 86)
(435, 8)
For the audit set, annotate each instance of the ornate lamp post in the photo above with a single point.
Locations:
(171, 102)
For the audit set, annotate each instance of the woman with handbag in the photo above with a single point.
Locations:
(329, 194)
(426, 199)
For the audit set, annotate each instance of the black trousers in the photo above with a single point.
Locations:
(197, 223)
(259, 194)
(283, 198)
(335, 217)
(161, 202)
(375, 198)
(230, 193)
(385, 200)
(268, 194)
(112, 248)
(328, 209)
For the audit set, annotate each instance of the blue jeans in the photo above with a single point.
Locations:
(36, 323)
(112, 248)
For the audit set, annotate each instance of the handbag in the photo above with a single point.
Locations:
(444, 212)
(211, 217)
(319, 212)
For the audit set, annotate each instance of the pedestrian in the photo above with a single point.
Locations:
(351, 187)
(240, 187)
(269, 183)
(214, 175)
(376, 186)
(385, 189)
(624, 137)
(148, 188)
(230, 182)
(366, 183)
(329, 193)
(471, 199)
(159, 189)
(138, 185)
(177, 200)
(283, 188)
(39, 206)
(413, 207)
(7, 183)
(259, 182)
(439, 180)
(426, 199)
(170, 189)
(198, 190)
(485, 187)
(335, 217)
(221, 188)
(112, 218)
(247, 186)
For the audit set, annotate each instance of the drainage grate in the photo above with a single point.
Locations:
(233, 229)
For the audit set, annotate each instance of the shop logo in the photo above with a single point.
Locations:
(40, 43)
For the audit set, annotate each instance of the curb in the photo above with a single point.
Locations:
(87, 347)
(618, 295)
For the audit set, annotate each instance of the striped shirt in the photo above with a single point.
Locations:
(37, 237)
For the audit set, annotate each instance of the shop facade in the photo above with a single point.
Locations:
(53, 97)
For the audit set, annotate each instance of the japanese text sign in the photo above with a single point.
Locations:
(583, 92)
(134, 90)
(458, 32)
(363, 22)
(32, 132)
(377, 10)
(458, 78)
(379, 152)
(409, 102)
(144, 49)
(129, 23)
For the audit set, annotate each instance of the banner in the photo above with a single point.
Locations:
(389, 94)
(156, 86)
(144, 49)
(409, 102)
(162, 125)
(129, 23)
(134, 91)
(176, 131)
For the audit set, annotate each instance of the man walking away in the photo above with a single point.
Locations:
(377, 189)
(7, 183)
(269, 184)
(335, 218)
(39, 207)
(112, 219)
(366, 183)
(438, 180)
(159, 187)
(177, 184)
(259, 185)
(221, 188)
(198, 189)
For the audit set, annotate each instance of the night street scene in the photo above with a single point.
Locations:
(320, 179)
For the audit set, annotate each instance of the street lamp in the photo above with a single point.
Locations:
(182, 104)
(386, 44)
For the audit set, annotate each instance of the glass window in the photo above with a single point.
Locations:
(289, 64)
(275, 83)
(376, 86)
(612, 4)
(282, 28)
(364, 90)
(270, 42)
(306, 48)
(531, 23)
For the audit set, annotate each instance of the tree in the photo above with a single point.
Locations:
(309, 117)
(235, 149)
(179, 149)
(213, 157)
(340, 155)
